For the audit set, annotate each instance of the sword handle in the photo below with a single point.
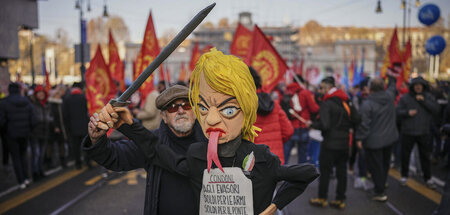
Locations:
(118, 103)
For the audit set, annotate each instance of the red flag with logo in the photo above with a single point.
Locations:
(264, 58)
(100, 87)
(149, 51)
(241, 42)
(115, 64)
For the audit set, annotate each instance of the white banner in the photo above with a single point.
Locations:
(226, 193)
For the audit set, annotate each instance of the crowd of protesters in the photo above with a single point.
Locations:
(364, 130)
(49, 122)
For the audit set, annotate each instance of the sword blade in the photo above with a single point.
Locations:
(179, 38)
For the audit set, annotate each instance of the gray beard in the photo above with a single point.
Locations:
(182, 126)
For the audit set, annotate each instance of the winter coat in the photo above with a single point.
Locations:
(276, 128)
(335, 120)
(124, 155)
(446, 120)
(76, 113)
(17, 116)
(267, 170)
(420, 123)
(303, 103)
(378, 127)
(44, 126)
(150, 115)
(56, 106)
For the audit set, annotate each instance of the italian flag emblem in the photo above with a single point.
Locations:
(249, 162)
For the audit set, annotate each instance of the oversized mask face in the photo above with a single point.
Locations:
(219, 112)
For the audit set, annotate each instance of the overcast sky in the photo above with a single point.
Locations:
(175, 14)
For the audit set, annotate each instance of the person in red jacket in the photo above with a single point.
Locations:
(275, 126)
(303, 103)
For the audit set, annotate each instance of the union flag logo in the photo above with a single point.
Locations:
(101, 81)
(267, 64)
(242, 44)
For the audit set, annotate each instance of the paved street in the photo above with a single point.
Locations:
(88, 191)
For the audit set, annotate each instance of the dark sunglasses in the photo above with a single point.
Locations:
(174, 107)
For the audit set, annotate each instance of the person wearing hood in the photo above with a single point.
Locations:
(377, 132)
(302, 102)
(275, 126)
(43, 130)
(337, 116)
(18, 117)
(416, 110)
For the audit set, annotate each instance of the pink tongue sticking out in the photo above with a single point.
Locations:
(212, 150)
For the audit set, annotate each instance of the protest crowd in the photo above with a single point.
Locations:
(356, 125)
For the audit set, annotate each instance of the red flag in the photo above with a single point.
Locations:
(162, 75)
(195, 55)
(115, 64)
(393, 55)
(137, 66)
(294, 67)
(100, 86)
(149, 51)
(265, 59)
(241, 42)
(206, 49)
(407, 58)
(182, 76)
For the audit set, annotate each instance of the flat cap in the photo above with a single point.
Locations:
(171, 94)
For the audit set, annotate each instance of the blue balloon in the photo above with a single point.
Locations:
(429, 14)
(435, 45)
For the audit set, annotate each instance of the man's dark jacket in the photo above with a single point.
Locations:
(420, 123)
(335, 121)
(124, 155)
(378, 126)
(266, 173)
(17, 116)
(76, 113)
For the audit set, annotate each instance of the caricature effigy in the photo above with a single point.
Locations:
(230, 174)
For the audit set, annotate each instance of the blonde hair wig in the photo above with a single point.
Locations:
(227, 74)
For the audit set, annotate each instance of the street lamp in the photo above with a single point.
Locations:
(404, 4)
(79, 6)
(378, 10)
(105, 11)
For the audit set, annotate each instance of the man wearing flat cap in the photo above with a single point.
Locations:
(178, 129)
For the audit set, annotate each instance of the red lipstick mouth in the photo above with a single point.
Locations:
(209, 130)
